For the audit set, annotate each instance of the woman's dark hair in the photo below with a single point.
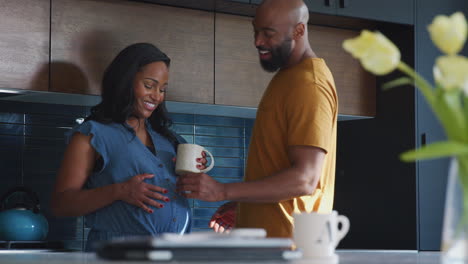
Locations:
(118, 96)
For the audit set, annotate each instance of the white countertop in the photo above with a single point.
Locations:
(346, 257)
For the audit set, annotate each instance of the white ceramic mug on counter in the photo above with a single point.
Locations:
(186, 159)
(317, 234)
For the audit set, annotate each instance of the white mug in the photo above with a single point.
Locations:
(317, 234)
(186, 159)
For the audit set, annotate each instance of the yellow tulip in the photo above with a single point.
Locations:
(376, 53)
(451, 72)
(449, 33)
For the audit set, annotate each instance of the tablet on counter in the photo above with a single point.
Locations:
(240, 244)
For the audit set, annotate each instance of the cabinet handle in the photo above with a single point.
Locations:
(423, 139)
(344, 3)
(327, 2)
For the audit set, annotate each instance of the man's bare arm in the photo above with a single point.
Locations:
(298, 180)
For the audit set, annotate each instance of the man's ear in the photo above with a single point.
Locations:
(299, 31)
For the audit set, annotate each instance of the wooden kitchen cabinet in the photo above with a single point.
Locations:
(355, 86)
(24, 44)
(240, 80)
(86, 35)
(214, 61)
(396, 11)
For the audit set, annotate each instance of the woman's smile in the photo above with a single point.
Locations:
(150, 106)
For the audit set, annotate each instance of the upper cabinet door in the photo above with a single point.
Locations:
(355, 86)
(239, 78)
(24, 42)
(87, 35)
(396, 11)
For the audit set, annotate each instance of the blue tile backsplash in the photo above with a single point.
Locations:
(32, 144)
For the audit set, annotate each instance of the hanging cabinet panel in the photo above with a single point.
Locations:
(239, 78)
(24, 44)
(87, 35)
(356, 87)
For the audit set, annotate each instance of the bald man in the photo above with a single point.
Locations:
(291, 161)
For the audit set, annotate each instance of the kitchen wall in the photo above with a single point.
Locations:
(32, 144)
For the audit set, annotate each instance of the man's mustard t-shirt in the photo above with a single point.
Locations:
(298, 108)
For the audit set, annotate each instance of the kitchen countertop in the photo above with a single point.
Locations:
(346, 257)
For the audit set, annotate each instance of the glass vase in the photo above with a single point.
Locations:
(454, 248)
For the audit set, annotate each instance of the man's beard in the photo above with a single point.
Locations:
(279, 56)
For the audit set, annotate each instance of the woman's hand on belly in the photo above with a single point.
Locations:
(141, 194)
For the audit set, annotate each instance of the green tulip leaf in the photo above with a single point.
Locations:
(422, 84)
(449, 110)
(465, 106)
(435, 150)
(398, 82)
